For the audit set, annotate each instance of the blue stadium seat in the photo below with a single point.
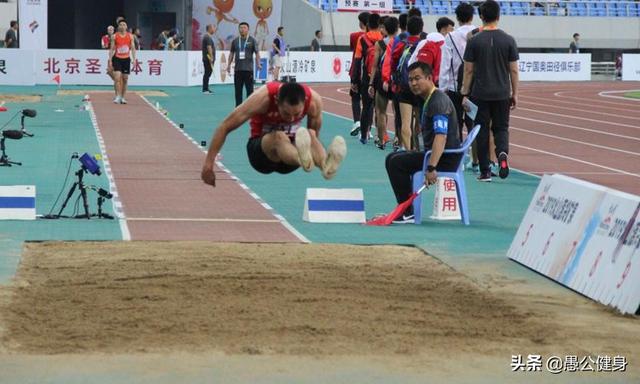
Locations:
(537, 11)
(634, 10)
(315, 3)
(400, 5)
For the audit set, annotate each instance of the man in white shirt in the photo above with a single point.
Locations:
(452, 63)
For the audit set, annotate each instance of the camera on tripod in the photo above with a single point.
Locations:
(89, 164)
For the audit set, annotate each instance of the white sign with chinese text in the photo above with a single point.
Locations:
(630, 67)
(88, 67)
(554, 67)
(16, 67)
(606, 262)
(586, 237)
(554, 222)
(32, 24)
(366, 5)
(312, 67)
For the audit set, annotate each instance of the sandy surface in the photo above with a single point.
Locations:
(81, 92)
(352, 304)
(10, 98)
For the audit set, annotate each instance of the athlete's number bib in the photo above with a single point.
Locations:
(289, 129)
(123, 49)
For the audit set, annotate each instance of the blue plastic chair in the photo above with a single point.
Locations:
(458, 177)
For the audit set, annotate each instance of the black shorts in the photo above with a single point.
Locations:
(405, 96)
(121, 65)
(261, 163)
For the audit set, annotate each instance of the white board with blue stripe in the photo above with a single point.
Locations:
(324, 205)
(18, 202)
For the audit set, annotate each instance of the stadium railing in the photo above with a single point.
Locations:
(578, 8)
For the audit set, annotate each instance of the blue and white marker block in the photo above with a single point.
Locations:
(322, 205)
(18, 202)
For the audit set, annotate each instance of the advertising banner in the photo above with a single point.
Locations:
(584, 236)
(263, 17)
(366, 5)
(16, 67)
(32, 19)
(90, 67)
(630, 67)
(554, 67)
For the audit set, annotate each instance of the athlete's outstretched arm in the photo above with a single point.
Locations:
(314, 114)
(257, 103)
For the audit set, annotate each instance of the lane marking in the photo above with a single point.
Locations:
(580, 118)
(221, 220)
(116, 203)
(576, 160)
(583, 104)
(586, 111)
(576, 141)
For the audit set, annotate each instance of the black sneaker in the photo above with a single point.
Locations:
(405, 219)
(485, 177)
(504, 165)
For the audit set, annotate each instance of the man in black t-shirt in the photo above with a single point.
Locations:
(439, 128)
(208, 57)
(11, 38)
(491, 81)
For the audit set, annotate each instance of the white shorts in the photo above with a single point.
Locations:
(277, 61)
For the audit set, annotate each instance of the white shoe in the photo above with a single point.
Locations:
(123, 100)
(355, 129)
(303, 145)
(335, 154)
(117, 100)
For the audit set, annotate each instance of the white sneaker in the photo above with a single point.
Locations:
(336, 152)
(123, 100)
(355, 129)
(117, 100)
(303, 145)
(405, 219)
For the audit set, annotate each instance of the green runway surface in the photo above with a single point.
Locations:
(45, 159)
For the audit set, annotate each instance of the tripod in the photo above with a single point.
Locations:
(102, 215)
(22, 129)
(83, 193)
(4, 159)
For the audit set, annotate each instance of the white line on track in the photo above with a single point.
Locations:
(579, 118)
(560, 94)
(596, 103)
(618, 116)
(575, 141)
(209, 220)
(576, 160)
(115, 200)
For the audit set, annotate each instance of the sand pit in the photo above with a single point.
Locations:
(288, 300)
(82, 92)
(255, 299)
(17, 98)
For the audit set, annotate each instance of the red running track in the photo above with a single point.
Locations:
(157, 173)
(584, 130)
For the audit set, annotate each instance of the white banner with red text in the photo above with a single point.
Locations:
(584, 236)
(185, 68)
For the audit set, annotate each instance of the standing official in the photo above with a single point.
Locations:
(208, 57)
(243, 49)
